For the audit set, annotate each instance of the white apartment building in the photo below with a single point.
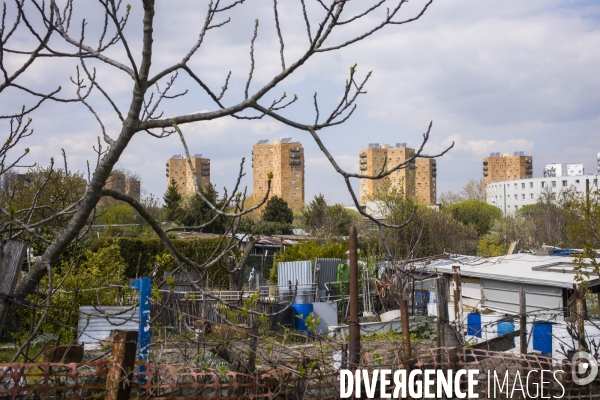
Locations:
(510, 196)
(560, 170)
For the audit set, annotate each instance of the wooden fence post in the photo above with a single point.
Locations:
(12, 254)
(120, 371)
(522, 321)
(446, 335)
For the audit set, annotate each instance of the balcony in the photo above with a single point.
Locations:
(363, 161)
(205, 162)
(485, 174)
(206, 174)
(485, 163)
(205, 168)
(295, 155)
(295, 162)
(363, 167)
(363, 154)
(296, 148)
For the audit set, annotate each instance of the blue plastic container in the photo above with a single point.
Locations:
(505, 327)
(542, 337)
(421, 298)
(302, 311)
(474, 325)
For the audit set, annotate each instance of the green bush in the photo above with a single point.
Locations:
(476, 213)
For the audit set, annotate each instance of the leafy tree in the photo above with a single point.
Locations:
(172, 199)
(278, 210)
(477, 213)
(266, 228)
(473, 190)
(325, 221)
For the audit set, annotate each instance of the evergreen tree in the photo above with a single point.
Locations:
(172, 200)
(196, 212)
(278, 210)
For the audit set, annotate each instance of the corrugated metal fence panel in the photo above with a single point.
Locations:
(300, 271)
(295, 270)
(99, 325)
(328, 270)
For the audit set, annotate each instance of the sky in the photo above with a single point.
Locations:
(492, 76)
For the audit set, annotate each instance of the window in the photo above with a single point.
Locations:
(260, 149)
(297, 175)
(260, 176)
(256, 182)
(293, 181)
(564, 183)
(543, 184)
(260, 188)
(522, 185)
(515, 185)
(296, 188)
(531, 185)
(523, 196)
(516, 197)
(260, 162)
(270, 162)
(297, 201)
(553, 183)
(293, 194)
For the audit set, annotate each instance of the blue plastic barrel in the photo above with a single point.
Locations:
(474, 325)
(302, 311)
(505, 327)
(542, 337)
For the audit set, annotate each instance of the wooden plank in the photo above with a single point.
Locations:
(120, 370)
(12, 254)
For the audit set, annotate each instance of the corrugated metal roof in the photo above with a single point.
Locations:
(520, 268)
(99, 325)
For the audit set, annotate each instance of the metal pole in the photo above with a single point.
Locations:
(353, 326)
(144, 286)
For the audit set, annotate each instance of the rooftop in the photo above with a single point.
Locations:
(553, 270)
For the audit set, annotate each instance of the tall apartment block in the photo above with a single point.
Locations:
(418, 179)
(504, 167)
(285, 159)
(178, 168)
(122, 184)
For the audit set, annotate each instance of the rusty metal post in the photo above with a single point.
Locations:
(120, 371)
(353, 326)
(522, 321)
(457, 302)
